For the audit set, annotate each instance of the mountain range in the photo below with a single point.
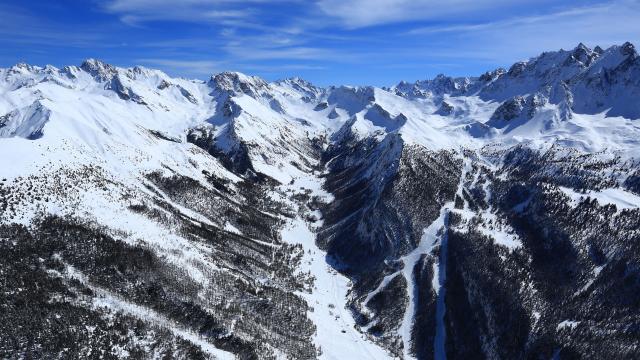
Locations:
(497, 216)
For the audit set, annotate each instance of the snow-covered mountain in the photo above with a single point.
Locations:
(496, 216)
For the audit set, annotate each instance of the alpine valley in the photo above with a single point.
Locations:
(150, 217)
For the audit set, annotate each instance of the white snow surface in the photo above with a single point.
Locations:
(621, 198)
(336, 335)
(81, 120)
(569, 324)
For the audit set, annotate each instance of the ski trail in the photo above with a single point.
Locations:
(336, 333)
(429, 241)
(431, 238)
(440, 290)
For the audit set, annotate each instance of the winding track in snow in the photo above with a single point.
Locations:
(432, 237)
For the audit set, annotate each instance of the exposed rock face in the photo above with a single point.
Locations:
(321, 106)
(445, 109)
(124, 92)
(492, 75)
(510, 109)
(99, 69)
(237, 83)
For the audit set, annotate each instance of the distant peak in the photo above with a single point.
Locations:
(296, 80)
(98, 68)
(237, 82)
(302, 86)
(582, 54)
(234, 77)
(94, 63)
(517, 68)
(142, 70)
(628, 49)
(22, 67)
(582, 46)
(492, 75)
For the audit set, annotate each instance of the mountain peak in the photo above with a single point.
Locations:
(296, 80)
(98, 68)
(582, 54)
(517, 68)
(22, 67)
(236, 82)
(492, 75)
(302, 86)
(582, 46)
(628, 49)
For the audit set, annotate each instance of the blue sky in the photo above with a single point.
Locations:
(378, 42)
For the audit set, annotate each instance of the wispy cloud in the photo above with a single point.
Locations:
(22, 27)
(283, 67)
(296, 53)
(363, 13)
(278, 44)
(603, 24)
(575, 14)
(191, 68)
(136, 12)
